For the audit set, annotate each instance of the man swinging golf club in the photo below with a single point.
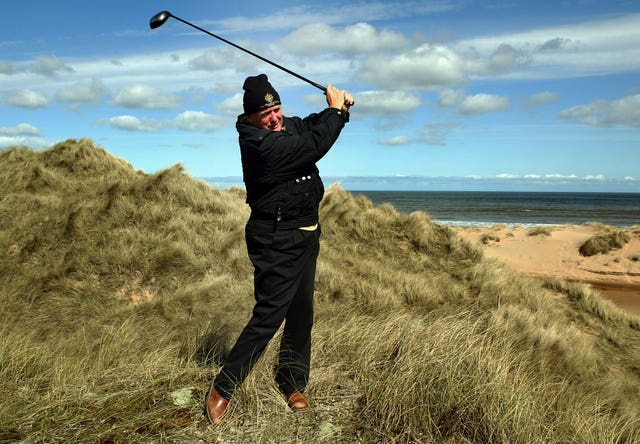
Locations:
(284, 190)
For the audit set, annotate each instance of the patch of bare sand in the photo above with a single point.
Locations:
(616, 274)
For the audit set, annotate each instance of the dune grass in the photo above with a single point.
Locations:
(121, 292)
(601, 243)
(539, 231)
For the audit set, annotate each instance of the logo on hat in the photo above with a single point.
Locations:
(268, 98)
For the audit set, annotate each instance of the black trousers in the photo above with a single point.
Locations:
(284, 261)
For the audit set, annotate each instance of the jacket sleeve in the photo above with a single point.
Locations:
(286, 153)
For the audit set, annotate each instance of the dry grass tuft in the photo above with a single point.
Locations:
(604, 243)
(539, 231)
(123, 291)
(488, 238)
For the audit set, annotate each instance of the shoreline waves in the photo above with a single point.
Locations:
(526, 209)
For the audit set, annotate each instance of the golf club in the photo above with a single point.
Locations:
(161, 17)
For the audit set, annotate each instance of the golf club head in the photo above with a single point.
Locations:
(159, 19)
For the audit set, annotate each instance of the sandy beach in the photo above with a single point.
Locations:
(615, 274)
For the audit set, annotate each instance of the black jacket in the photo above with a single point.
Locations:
(279, 168)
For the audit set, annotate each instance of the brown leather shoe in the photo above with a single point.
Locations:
(215, 406)
(297, 401)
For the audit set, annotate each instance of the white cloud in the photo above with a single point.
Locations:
(557, 44)
(296, 16)
(232, 105)
(621, 112)
(31, 142)
(394, 141)
(23, 134)
(540, 99)
(360, 38)
(588, 48)
(48, 66)
(199, 121)
(449, 98)
(83, 92)
(482, 104)
(435, 133)
(553, 177)
(428, 66)
(26, 98)
(145, 96)
(131, 123)
(21, 129)
(211, 60)
(191, 121)
(503, 59)
(386, 103)
(560, 176)
(435, 66)
(6, 68)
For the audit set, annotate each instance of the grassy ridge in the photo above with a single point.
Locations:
(121, 291)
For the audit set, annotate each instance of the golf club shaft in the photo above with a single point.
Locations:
(317, 85)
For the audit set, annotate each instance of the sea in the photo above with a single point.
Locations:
(479, 208)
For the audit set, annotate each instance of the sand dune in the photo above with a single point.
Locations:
(616, 274)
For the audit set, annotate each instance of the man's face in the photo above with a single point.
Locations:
(269, 119)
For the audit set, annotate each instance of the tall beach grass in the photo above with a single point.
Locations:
(121, 292)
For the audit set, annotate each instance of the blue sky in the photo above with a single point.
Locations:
(450, 94)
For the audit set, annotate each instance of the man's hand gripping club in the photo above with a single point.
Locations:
(339, 98)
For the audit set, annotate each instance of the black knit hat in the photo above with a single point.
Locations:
(258, 94)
